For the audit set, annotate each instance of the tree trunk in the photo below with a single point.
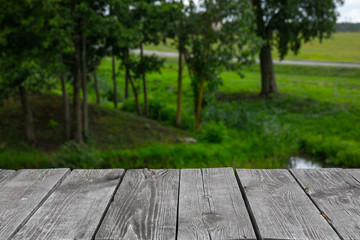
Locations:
(29, 118)
(126, 84)
(179, 92)
(180, 68)
(114, 80)
(77, 99)
(85, 116)
(144, 83)
(199, 105)
(268, 81)
(96, 87)
(66, 107)
(138, 107)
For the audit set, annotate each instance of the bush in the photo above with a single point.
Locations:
(214, 132)
(334, 150)
(162, 112)
(72, 155)
(129, 105)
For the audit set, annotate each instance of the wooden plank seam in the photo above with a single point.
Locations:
(108, 205)
(306, 190)
(178, 207)
(248, 208)
(39, 204)
(349, 172)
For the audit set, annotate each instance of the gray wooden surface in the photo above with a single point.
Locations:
(75, 208)
(281, 208)
(144, 207)
(355, 173)
(211, 206)
(23, 194)
(180, 204)
(5, 174)
(337, 195)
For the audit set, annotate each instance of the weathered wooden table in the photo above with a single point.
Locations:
(180, 204)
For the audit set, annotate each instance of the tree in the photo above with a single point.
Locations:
(66, 107)
(96, 87)
(217, 32)
(137, 23)
(152, 18)
(285, 24)
(84, 27)
(175, 31)
(114, 78)
(125, 35)
(28, 58)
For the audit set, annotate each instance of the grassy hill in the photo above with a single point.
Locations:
(110, 129)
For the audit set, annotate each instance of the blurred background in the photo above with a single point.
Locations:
(173, 84)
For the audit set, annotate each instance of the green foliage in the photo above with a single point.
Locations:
(334, 150)
(74, 156)
(214, 35)
(26, 46)
(163, 112)
(24, 158)
(286, 24)
(214, 132)
(53, 124)
(199, 155)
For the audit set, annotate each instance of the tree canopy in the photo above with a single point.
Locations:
(285, 25)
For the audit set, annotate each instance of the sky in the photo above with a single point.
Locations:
(350, 11)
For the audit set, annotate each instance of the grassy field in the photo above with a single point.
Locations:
(342, 47)
(317, 114)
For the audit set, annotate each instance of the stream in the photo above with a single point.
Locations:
(301, 162)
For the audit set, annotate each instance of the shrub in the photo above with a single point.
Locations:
(214, 132)
(162, 112)
(72, 155)
(129, 105)
(53, 124)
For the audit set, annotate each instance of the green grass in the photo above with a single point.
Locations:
(341, 47)
(317, 114)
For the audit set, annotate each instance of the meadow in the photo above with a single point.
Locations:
(316, 115)
(340, 47)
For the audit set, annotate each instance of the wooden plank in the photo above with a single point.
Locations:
(355, 172)
(22, 195)
(144, 207)
(211, 206)
(337, 195)
(5, 175)
(280, 208)
(75, 208)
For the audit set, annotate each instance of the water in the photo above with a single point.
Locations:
(300, 162)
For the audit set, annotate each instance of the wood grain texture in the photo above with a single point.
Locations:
(354, 172)
(281, 208)
(75, 208)
(144, 207)
(22, 195)
(337, 195)
(211, 206)
(5, 175)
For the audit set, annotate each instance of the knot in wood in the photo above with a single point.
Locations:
(211, 218)
(112, 176)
